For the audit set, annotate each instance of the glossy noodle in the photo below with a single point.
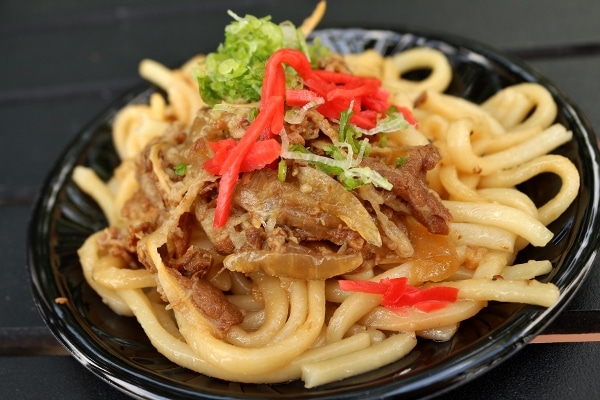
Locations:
(258, 299)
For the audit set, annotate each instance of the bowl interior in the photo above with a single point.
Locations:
(117, 349)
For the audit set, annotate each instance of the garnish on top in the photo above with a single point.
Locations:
(261, 61)
(235, 72)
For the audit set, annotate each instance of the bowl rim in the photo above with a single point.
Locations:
(446, 375)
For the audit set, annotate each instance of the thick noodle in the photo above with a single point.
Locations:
(293, 328)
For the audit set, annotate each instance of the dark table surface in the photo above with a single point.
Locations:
(63, 61)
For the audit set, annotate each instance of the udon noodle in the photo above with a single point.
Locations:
(257, 301)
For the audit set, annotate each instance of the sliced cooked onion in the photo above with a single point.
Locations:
(334, 199)
(306, 266)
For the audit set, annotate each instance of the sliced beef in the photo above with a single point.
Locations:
(211, 301)
(410, 185)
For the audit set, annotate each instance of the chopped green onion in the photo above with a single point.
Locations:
(349, 133)
(401, 161)
(235, 72)
(180, 169)
(252, 114)
(391, 110)
(383, 139)
(282, 170)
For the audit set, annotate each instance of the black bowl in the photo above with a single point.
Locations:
(116, 349)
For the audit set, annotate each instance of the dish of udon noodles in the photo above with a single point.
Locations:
(321, 228)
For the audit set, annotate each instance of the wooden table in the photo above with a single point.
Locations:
(62, 62)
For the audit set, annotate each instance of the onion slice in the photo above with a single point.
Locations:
(305, 266)
(336, 200)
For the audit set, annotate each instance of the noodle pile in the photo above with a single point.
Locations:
(256, 314)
